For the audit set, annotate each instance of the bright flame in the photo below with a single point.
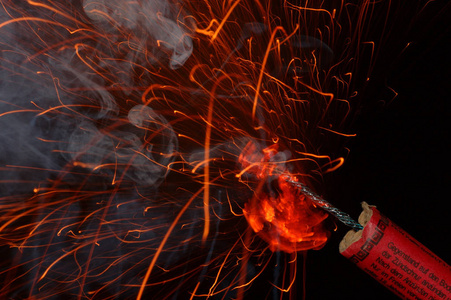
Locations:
(279, 213)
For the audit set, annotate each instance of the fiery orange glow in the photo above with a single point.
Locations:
(146, 144)
(286, 219)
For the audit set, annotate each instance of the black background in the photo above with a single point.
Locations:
(399, 160)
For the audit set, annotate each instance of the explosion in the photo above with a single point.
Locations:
(284, 217)
(146, 144)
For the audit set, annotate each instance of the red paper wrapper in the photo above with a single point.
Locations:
(395, 259)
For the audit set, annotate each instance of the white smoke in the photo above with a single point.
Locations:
(161, 20)
(71, 122)
(86, 125)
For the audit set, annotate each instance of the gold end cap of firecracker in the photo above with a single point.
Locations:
(353, 236)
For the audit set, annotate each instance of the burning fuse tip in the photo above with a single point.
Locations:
(325, 205)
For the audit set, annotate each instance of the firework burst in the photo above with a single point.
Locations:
(141, 140)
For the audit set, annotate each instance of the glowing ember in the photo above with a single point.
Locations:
(282, 216)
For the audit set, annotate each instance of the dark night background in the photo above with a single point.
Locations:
(398, 161)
